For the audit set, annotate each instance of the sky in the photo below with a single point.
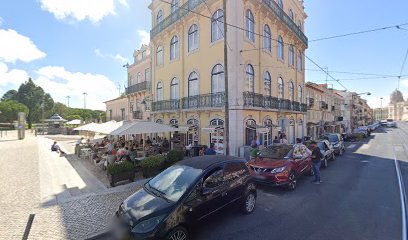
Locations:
(69, 47)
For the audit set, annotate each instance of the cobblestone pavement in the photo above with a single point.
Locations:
(78, 217)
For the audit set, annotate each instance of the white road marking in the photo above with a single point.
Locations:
(351, 146)
(402, 198)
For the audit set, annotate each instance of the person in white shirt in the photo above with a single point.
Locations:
(77, 144)
(284, 140)
(109, 147)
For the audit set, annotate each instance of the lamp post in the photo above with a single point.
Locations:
(68, 97)
(85, 99)
(381, 108)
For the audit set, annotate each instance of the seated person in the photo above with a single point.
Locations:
(96, 157)
(56, 148)
(300, 150)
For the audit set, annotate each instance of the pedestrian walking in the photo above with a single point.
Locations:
(316, 162)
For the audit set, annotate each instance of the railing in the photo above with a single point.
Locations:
(286, 19)
(137, 115)
(176, 15)
(268, 102)
(203, 101)
(166, 105)
(143, 86)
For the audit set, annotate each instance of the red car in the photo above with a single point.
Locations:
(276, 166)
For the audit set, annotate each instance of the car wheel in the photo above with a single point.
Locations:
(333, 157)
(325, 163)
(249, 203)
(178, 233)
(292, 181)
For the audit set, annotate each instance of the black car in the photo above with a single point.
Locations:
(336, 141)
(172, 202)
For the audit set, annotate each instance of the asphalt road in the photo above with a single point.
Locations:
(358, 199)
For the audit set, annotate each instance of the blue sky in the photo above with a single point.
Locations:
(75, 46)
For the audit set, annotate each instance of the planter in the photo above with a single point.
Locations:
(123, 176)
(152, 171)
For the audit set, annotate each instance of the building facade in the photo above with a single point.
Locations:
(380, 114)
(265, 53)
(324, 110)
(138, 91)
(116, 109)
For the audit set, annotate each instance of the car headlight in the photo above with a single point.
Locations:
(278, 170)
(147, 225)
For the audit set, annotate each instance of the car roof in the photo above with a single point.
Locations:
(203, 162)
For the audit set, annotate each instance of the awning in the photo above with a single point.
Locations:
(87, 127)
(143, 128)
(211, 129)
(74, 122)
(186, 128)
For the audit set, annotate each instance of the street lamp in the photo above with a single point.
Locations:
(85, 99)
(381, 116)
(68, 97)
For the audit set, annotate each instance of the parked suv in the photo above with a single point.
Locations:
(169, 205)
(336, 141)
(276, 166)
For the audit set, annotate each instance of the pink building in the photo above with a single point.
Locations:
(138, 91)
(116, 109)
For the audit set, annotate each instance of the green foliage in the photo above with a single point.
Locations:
(72, 117)
(121, 167)
(156, 161)
(174, 156)
(9, 95)
(9, 110)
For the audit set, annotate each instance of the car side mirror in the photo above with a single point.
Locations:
(206, 191)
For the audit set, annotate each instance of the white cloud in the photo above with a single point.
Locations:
(375, 101)
(61, 83)
(11, 78)
(144, 37)
(94, 10)
(1, 21)
(117, 57)
(14, 46)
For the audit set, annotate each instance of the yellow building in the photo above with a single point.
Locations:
(265, 53)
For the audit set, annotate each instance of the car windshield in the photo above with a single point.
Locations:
(173, 182)
(276, 152)
(332, 138)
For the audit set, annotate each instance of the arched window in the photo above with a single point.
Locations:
(291, 91)
(291, 14)
(193, 37)
(280, 88)
(291, 56)
(217, 25)
(299, 61)
(216, 122)
(174, 48)
(280, 4)
(139, 77)
(159, 91)
(250, 25)
(174, 89)
(159, 121)
(174, 5)
(250, 78)
(159, 16)
(300, 94)
(193, 84)
(267, 84)
(250, 131)
(267, 137)
(159, 56)
(173, 122)
(267, 45)
(280, 48)
(217, 79)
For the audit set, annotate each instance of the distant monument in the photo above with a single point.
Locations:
(56, 124)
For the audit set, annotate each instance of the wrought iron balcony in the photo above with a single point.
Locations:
(166, 105)
(279, 13)
(268, 102)
(139, 87)
(204, 101)
(190, 5)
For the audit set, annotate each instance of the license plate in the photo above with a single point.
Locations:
(260, 177)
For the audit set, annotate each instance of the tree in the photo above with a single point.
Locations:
(9, 95)
(33, 97)
(10, 109)
(61, 109)
(72, 117)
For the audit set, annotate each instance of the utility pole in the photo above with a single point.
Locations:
(226, 127)
(42, 108)
(381, 117)
(85, 99)
(68, 97)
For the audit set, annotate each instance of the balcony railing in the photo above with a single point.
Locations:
(137, 115)
(166, 105)
(203, 101)
(190, 5)
(143, 86)
(215, 100)
(279, 13)
(268, 102)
